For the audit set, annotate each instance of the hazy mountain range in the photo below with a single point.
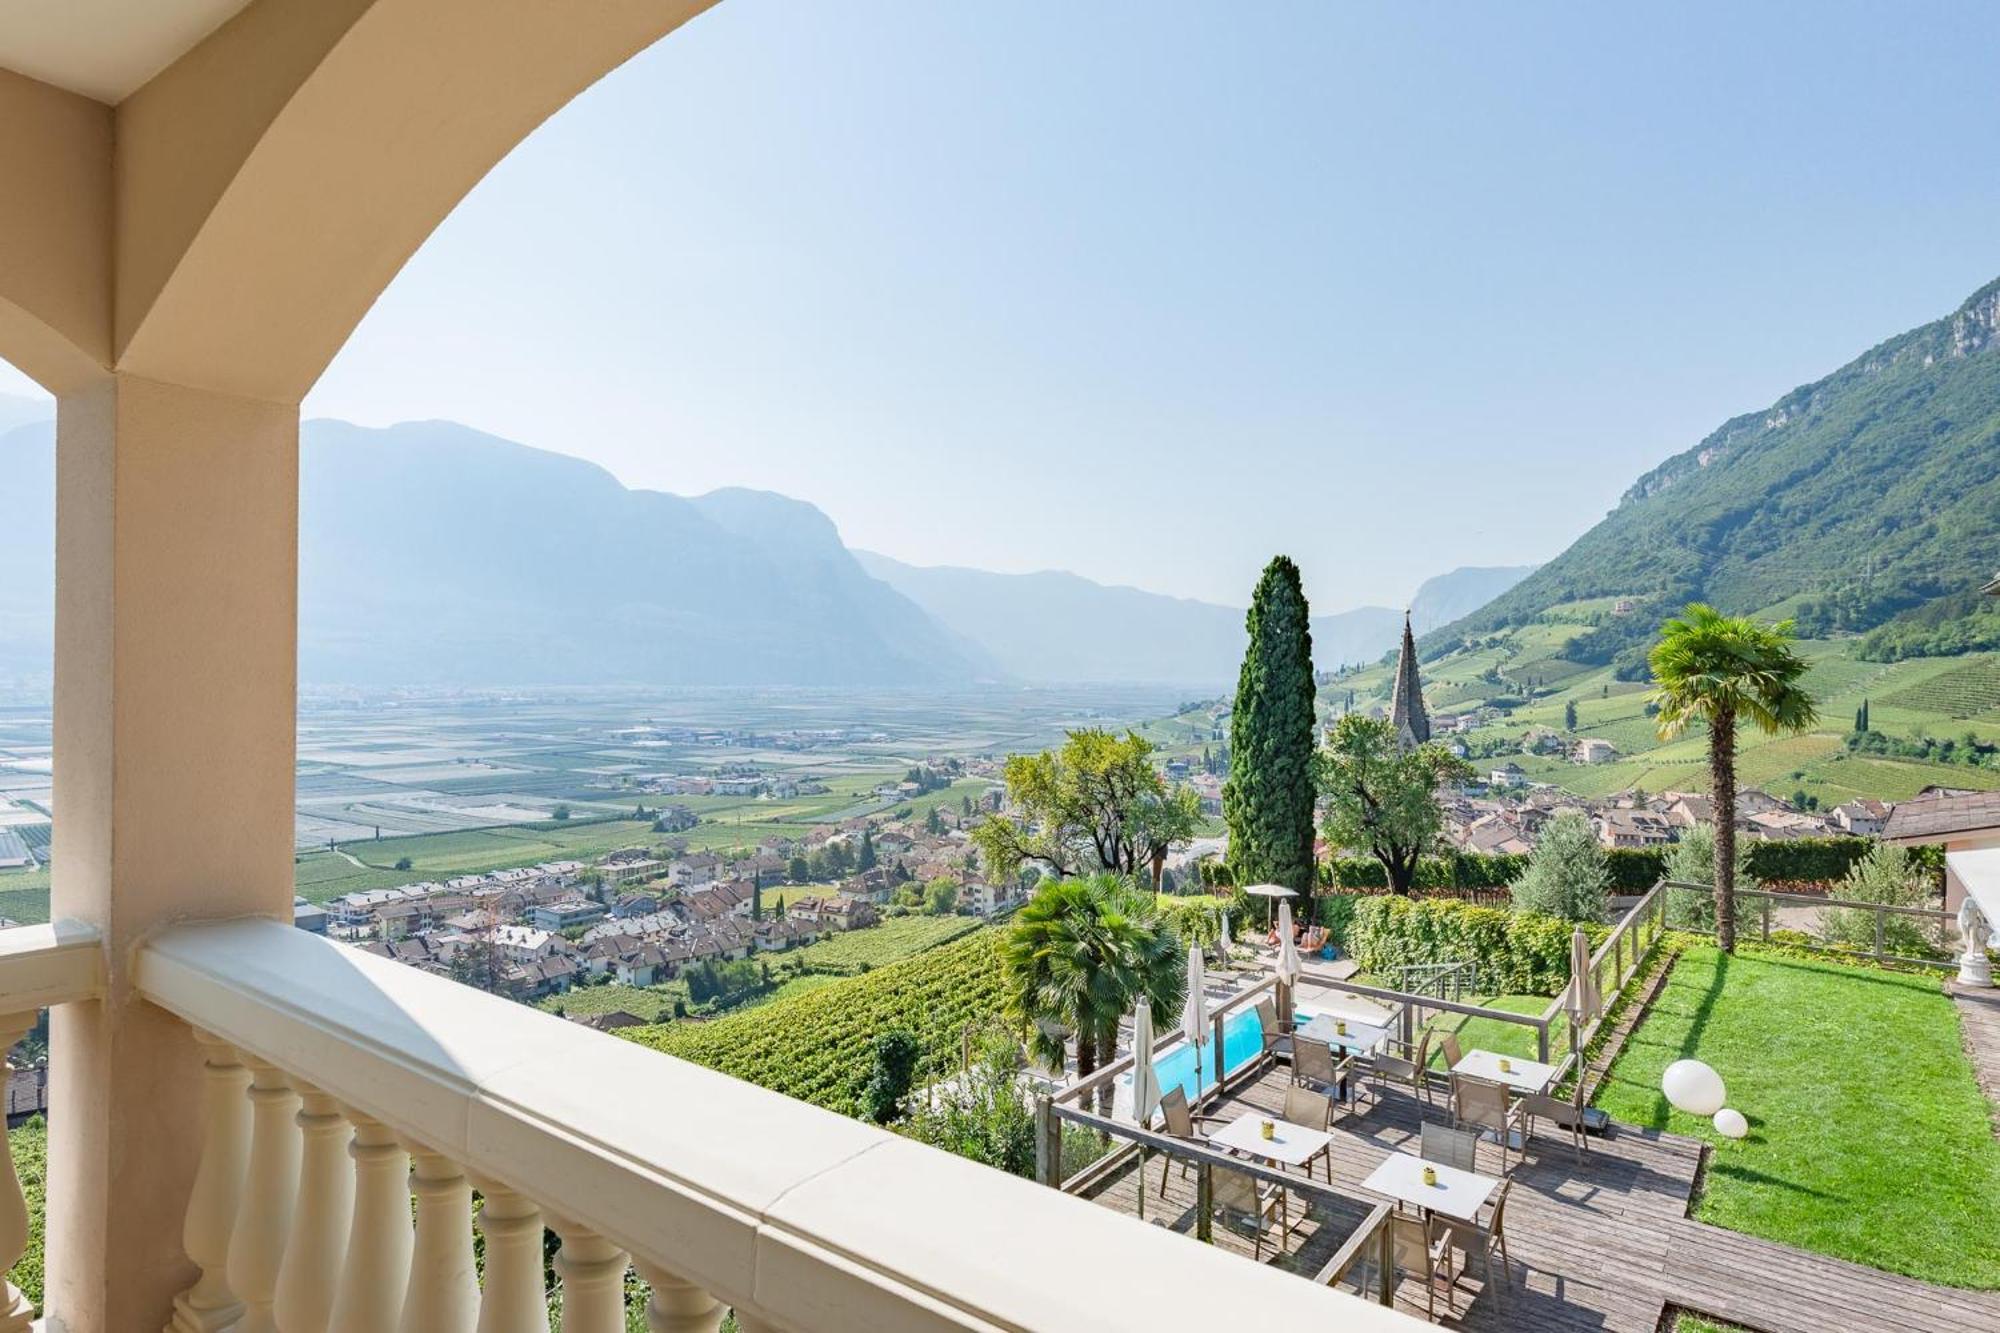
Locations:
(433, 554)
(1058, 626)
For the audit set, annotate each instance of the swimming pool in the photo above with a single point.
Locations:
(1191, 1069)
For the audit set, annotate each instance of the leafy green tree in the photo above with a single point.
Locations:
(799, 870)
(560, 812)
(893, 1074)
(1076, 958)
(1268, 798)
(1568, 874)
(933, 822)
(865, 859)
(1382, 799)
(941, 897)
(1166, 823)
(1861, 717)
(1569, 715)
(757, 898)
(1096, 804)
(1717, 669)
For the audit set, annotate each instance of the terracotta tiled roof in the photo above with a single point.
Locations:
(1940, 815)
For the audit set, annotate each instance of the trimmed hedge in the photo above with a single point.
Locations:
(1633, 869)
(1524, 952)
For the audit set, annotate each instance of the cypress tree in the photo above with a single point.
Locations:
(1268, 799)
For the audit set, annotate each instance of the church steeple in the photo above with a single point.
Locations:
(1406, 705)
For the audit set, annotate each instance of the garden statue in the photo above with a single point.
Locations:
(1974, 967)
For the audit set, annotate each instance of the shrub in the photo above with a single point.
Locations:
(896, 1055)
(1692, 860)
(1336, 913)
(1566, 876)
(1522, 952)
(1885, 875)
(983, 1115)
(1634, 869)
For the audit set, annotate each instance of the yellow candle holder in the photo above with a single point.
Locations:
(1430, 1175)
(1268, 1129)
(1340, 1026)
(1506, 1065)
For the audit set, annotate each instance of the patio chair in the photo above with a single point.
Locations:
(1566, 1113)
(1237, 1195)
(1277, 1035)
(1416, 1247)
(1408, 1072)
(1481, 1105)
(1314, 1110)
(1452, 1053)
(1312, 1063)
(1450, 1147)
(1480, 1242)
(1181, 1121)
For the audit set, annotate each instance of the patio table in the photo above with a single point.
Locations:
(1289, 1144)
(1523, 1076)
(1361, 1038)
(1458, 1194)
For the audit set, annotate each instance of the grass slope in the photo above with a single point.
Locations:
(1869, 1140)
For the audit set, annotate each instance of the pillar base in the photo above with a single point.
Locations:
(1976, 969)
(187, 1319)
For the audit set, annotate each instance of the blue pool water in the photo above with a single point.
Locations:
(1190, 1070)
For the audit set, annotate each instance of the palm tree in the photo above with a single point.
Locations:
(1718, 669)
(1078, 956)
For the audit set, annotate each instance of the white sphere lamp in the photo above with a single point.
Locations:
(1693, 1087)
(1729, 1123)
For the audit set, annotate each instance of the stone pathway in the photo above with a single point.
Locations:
(1979, 1016)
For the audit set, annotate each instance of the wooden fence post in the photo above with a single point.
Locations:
(1881, 930)
(1048, 1144)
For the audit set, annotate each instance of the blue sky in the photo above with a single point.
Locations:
(1151, 291)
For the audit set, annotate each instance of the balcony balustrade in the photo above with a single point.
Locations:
(337, 1088)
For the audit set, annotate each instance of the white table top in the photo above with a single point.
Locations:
(1524, 1076)
(1289, 1143)
(1457, 1193)
(1353, 1008)
(1360, 1036)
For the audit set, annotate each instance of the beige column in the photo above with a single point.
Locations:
(175, 698)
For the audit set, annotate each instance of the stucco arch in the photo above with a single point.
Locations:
(227, 224)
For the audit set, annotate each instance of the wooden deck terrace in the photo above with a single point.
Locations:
(1603, 1242)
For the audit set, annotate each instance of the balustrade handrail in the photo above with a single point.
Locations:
(798, 1217)
(55, 963)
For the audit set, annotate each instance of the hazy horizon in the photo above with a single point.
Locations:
(1148, 297)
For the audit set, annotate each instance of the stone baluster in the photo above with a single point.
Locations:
(209, 1305)
(377, 1267)
(443, 1294)
(317, 1248)
(270, 1188)
(593, 1281)
(678, 1306)
(17, 1315)
(514, 1299)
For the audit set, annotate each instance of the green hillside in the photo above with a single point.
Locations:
(1868, 501)
(1914, 704)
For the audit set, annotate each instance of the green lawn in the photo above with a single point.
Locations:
(1497, 1034)
(30, 1146)
(1869, 1139)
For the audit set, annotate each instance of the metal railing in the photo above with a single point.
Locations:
(1886, 930)
(1444, 981)
(1613, 966)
